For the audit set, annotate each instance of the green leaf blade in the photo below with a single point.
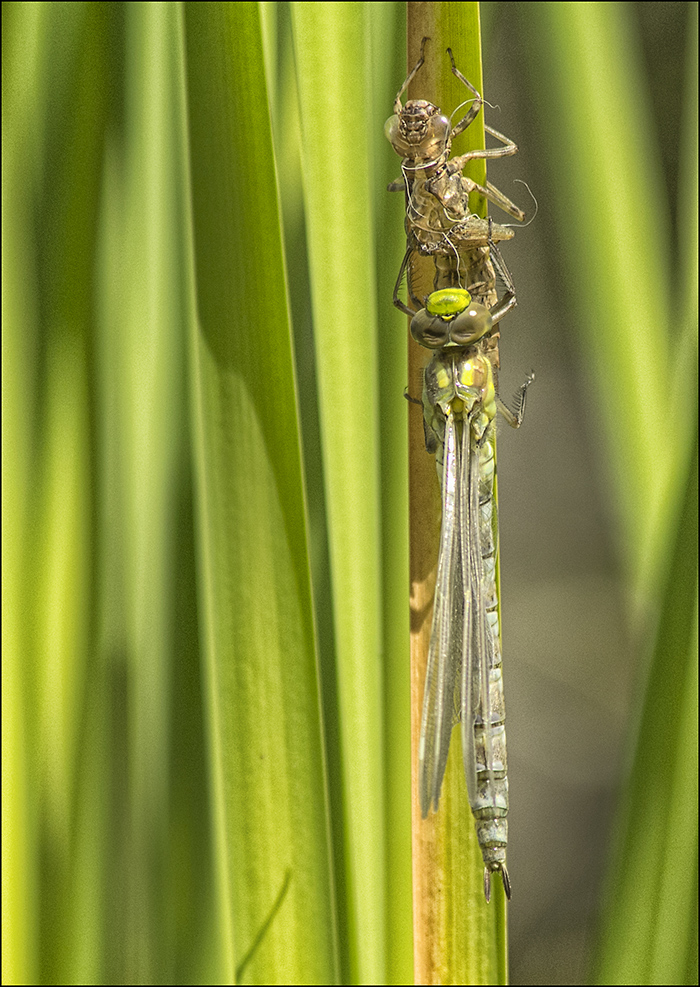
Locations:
(333, 71)
(273, 850)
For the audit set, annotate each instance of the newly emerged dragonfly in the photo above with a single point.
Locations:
(451, 261)
(464, 677)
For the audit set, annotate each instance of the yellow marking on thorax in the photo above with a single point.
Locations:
(443, 378)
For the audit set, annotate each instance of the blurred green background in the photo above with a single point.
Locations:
(181, 803)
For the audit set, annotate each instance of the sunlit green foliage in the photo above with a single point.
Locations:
(206, 760)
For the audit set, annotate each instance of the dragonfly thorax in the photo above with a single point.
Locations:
(460, 383)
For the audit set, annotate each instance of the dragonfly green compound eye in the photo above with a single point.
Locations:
(472, 324)
(430, 330)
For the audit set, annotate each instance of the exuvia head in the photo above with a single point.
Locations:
(419, 130)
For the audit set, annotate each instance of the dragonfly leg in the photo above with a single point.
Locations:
(411, 399)
(432, 439)
(402, 270)
(503, 202)
(509, 299)
(409, 77)
(494, 195)
(498, 262)
(509, 147)
(515, 418)
(506, 303)
(473, 110)
(490, 192)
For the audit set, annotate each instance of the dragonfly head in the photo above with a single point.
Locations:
(450, 318)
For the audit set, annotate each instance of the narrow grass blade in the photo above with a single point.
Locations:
(21, 133)
(58, 147)
(640, 345)
(648, 930)
(649, 925)
(608, 191)
(333, 74)
(266, 751)
(143, 448)
(388, 40)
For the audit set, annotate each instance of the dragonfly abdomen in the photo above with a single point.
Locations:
(489, 803)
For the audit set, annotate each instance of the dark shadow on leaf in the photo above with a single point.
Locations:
(240, 969)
